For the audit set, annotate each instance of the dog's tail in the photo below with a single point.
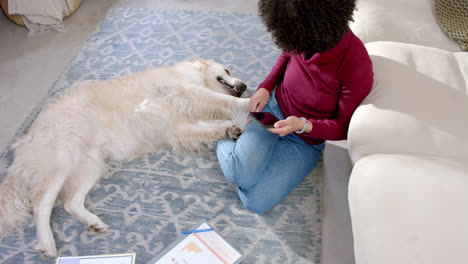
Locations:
(14, 207)
(15, 198)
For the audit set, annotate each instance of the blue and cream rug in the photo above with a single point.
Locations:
(146, 202)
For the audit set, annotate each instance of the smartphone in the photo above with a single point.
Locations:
(263, 119)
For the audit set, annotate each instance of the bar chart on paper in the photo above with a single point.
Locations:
(203, 247)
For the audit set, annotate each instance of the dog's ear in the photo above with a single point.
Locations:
(198, 60)
(201, 61)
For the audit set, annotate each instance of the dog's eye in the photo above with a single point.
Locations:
(227, 71)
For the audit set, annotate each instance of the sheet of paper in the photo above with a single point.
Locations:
(204, 247)
(128, 258)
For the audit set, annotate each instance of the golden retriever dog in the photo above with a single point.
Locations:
(69, 144)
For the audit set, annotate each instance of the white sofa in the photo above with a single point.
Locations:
(408, 140)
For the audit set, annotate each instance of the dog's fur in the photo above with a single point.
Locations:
(66, 148)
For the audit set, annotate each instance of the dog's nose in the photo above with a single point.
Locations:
(241, 87)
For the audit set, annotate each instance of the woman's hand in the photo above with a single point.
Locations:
(289, 125)
(258, 100)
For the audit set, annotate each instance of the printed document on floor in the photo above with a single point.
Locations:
(128, 258)
(202, 248)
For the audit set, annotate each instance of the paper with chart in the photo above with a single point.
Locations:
(205, 247)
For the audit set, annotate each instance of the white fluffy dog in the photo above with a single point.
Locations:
(66, 148)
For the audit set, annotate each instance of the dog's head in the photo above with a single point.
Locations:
(219, 78)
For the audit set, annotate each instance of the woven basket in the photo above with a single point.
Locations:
(19, 21)
(453, 18)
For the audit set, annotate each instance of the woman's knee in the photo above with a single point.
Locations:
(241, 180)
(244, 175)
(236, 169)
(255, 204)
(255, 207)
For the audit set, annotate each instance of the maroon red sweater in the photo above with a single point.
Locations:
(325, 88)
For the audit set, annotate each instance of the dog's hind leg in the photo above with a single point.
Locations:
(78, 187)
(42, 208)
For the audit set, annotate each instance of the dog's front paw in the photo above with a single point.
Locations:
(47, 251)
(239, 118)
(99, 227)
(233, 132)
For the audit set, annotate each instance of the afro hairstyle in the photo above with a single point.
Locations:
(306, 26)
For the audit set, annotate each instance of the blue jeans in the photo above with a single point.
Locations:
(264, 166)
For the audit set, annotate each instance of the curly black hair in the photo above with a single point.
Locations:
(308, 26)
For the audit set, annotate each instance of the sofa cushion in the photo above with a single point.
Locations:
(409, 209)
(404, 21)
(418, 103)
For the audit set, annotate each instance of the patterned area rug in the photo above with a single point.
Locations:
(147, 201)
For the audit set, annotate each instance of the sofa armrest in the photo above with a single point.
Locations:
(418, 104)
